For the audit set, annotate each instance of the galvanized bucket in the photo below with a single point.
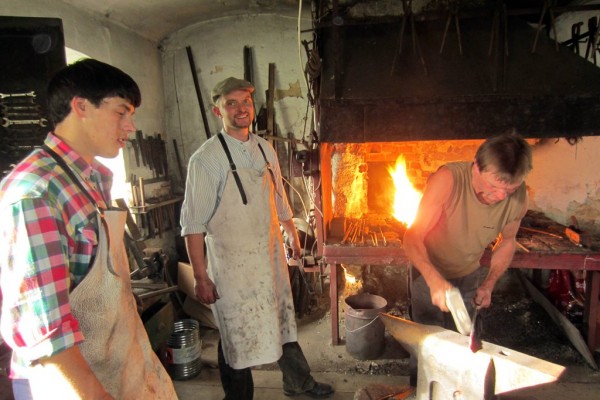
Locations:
(184, 348)
(365, 332)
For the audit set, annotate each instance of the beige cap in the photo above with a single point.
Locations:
(229, 85)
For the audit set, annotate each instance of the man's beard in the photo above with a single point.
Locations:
(242, 125)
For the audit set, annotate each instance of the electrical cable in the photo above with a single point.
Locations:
(312, 194)
(299, 196)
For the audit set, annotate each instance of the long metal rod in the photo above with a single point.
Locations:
(198, 93)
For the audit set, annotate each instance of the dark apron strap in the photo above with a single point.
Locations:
(233, 169)
(270, 169)
(72, 175)
(77, 181)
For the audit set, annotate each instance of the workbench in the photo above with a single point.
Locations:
(542, 242)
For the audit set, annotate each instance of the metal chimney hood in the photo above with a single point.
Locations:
(371, 91)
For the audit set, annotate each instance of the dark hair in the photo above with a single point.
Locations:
(92, 80)
(508, 154)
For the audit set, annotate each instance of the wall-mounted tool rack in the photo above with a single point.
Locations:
(154, 219)
(33, 50)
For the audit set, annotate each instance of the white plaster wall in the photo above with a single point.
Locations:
(565, 180)
(139, 57)
(100, 39)
(218, 48)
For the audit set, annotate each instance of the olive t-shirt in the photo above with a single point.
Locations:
(466, 226)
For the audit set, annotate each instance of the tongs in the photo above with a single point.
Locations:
(475, 343)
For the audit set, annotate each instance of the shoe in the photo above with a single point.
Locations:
(319, 391)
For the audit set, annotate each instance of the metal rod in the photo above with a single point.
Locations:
(158, 292)
(542, 232)
(198, 93)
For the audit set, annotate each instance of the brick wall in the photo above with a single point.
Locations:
(351, 164)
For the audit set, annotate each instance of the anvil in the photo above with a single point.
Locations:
(448, 369)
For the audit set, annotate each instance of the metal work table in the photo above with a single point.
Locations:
(536, 251)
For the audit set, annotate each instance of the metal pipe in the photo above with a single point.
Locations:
(197, 87)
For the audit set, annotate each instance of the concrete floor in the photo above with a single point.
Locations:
(330, 364)
(333, 365)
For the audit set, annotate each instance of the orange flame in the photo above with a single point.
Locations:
(407, 198)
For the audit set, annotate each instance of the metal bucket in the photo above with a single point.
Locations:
(365, 332)
(184, 348)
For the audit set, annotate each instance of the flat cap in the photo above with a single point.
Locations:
(229, 85)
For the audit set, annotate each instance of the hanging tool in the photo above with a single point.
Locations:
(18, 101)
(452, 16)
(8, 122)
(136, 151)
(550, 8)
(271, 129)
(178, 158)
(27, 107)
(408, 16)
(162, 147)
(249, 76)
(22, 114)
(153, 160)
(198, 93)
(139, 137)
(12, 95)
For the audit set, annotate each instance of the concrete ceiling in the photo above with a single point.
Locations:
(156, 19)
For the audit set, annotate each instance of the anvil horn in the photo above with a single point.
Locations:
(447, 367)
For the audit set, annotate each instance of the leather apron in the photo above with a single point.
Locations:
(246, 261)
(116, 345)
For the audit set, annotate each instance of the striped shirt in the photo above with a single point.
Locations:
(207, 173)
(49, 235)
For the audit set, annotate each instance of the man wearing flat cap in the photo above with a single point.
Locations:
(234, 204)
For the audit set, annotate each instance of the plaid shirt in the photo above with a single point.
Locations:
(49, 235)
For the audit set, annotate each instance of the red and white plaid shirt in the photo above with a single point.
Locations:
(49, 234)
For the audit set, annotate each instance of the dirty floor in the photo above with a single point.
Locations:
(514, 321)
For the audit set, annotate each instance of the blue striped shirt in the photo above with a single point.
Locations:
(207, 173)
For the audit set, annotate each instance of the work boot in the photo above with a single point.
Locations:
(319, 391)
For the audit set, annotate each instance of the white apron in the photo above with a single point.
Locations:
(116, 344)
(246, 261)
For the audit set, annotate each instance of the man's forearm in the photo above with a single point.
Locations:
(501, 259)
(417, 254)
(290, 228)
(66, 375)
(194, 244)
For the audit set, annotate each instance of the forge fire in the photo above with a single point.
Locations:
(376, 187)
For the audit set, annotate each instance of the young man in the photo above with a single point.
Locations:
(466, 206)
(234, 202)
(67, 308)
